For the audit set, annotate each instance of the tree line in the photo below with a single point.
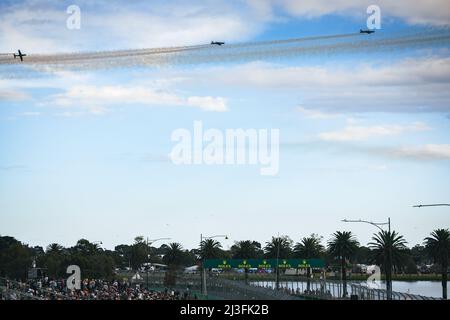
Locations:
(387, 249)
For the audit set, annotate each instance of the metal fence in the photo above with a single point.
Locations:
(231, 289)
(217, 287)
(301, 287)
(333, 289)
(365, 293)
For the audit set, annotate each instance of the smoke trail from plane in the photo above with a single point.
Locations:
(201, 54)
(147, 56)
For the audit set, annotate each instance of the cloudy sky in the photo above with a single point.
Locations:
(363, 134)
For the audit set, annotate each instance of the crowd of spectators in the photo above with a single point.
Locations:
(90, 289)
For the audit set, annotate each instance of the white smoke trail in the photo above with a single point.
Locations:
(331, 44)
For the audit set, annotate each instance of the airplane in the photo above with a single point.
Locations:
(431, 205)
(20, 55)
(366, 31)
(217, 43)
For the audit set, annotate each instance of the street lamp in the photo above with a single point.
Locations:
(99, 243)
(149, 243)
(388, 223)
(277, 274)
(372, 223)
(203, 273)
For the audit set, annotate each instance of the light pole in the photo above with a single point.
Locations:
(149, 243)
(277, 274)
(389, 267)
(202, 269)
(98, 243)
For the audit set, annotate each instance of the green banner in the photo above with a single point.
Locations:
(263, 263)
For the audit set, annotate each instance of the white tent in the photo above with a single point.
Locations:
(192, 269)
(136, 276)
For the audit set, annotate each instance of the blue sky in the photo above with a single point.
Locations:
(84, 152)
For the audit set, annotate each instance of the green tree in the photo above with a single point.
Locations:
(342, 246)
(278, 247)
(85, 247)
(388, 249)
(419, 255)
(210, 249)
(307, 248)
(15, 258)
(363, 255)
(123, 254)
(246, 249)
(139, 252)
(174, 256)
(55, 260)
(438, 247)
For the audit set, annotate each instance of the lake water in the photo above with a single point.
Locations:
(423, 288)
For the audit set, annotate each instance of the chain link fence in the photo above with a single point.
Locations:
(333, 289)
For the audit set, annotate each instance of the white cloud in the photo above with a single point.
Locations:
(97, 99)
(411, 85)
(30, 114)
(116, 94)
(414, 85)
(13, 95)
(208, 103)
(40, 26)
(431, 70)
(262, 8)
(93, 93)
(425, 152)
(316, 114)
(69, 114)
(360, 133)
(436, 12)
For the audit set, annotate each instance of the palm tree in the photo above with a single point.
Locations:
(173, 258)
(343, 246)
(210, 249)
(276, 248)
(388, 249)
(438, 247)
(54, 259)
(85, 247)
(307, 248)
(246, 249)
(174, 255)
(54, 248)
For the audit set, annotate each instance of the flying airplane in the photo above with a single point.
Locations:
(432, 205)
(366, 31)
(217, 43)
(20, 55)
